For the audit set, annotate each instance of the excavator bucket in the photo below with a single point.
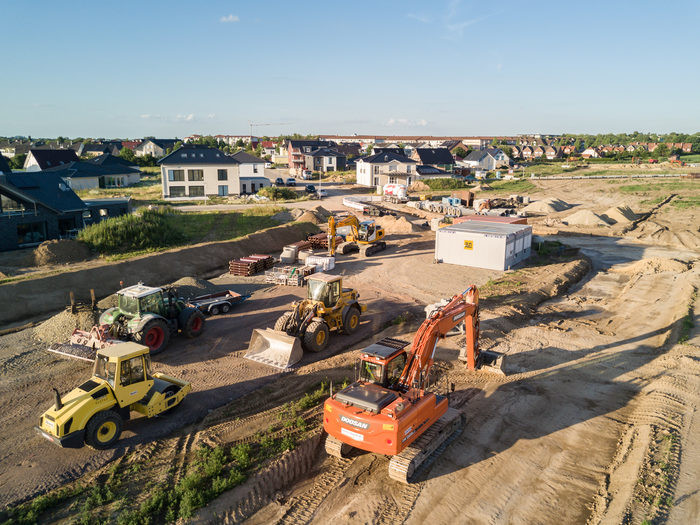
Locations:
(491, 362)
(84, 345)
(274, 348)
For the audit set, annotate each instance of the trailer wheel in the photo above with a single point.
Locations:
(316, 336)
(193, 324)
(351, 320)
(103, 429)
(155, 335)
(225, 308)
(214, 310)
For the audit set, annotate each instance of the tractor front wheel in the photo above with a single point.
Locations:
(103, 429)
(194, 324)
(155, 334)
(316, 336)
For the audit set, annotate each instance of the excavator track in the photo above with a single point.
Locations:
(408, 464)
(335, 447)
(370, 249)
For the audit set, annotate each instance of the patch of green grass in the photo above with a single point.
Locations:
(683, 203)
(278, 194)
(652, 202)
(512, 186)
(446, 183)
(690, 158)
(30, 512)
(660, 186)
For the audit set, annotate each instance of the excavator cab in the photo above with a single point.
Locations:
(382, 363)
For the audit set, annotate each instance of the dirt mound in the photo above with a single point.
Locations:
(392, 224)
(310, 216)
(619, 214)
(59, 328)
(481, 187)
(545, 206)
(62, 251)
(653, 265)
(419, 186)
(585, 218)
(322, 213)
(191, 287)
(297, 212)
(284, 216)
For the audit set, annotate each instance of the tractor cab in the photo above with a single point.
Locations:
(383, 363)
(324, 288)
(141, 299)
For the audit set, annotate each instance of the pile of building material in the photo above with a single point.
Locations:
(619, 214)
(289, 275)
(63, 251)
(290, 253)
(585, 218)
(321, 263)
(247, 266)
(320, 241)
(651, 266)
(546, 206)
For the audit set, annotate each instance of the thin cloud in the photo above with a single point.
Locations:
(420, 18)
(186, 117)
(228, 19)
(393, 121)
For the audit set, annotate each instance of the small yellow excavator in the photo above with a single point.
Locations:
(365, 237)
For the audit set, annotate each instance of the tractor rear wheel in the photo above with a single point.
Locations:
(281, 323)
(316, 336)
(103, 429)
(194, 324)
(155, 334)
(351, 320)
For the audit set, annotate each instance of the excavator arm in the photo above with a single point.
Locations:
(333, 224)
(461, 308)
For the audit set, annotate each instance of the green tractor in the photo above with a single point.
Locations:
(144, 314)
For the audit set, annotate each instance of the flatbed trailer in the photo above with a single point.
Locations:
(217, 303)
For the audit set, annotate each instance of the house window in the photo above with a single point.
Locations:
(376, 181)
(195, 175)
(392, 167)
(392, 180)
(376, 169)
(177, 191)
(408, 169)
(176, 175)
(31, 233)
(223, 191)
(222, 174)
(244, 188)
(255, 168)
(8, 205)
(408, 181)
(196, 191)
(183, 155)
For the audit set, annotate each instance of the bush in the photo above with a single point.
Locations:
(444, 184)
(277, 194)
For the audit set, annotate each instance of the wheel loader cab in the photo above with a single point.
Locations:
(326, 291)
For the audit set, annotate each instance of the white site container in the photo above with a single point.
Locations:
(493, 246)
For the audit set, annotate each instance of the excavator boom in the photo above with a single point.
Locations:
(366, 236)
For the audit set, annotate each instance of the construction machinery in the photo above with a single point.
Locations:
(389, 409)
(144, 314)
(365, 236)
(307, 326)
(121, 382)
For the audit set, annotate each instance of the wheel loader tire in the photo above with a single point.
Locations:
(281, 323)
(316, 337)
(155, 334)
(193, 324)
(103, 430)
(351, 320)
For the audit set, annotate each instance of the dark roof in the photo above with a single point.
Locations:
(4, 166)
(398, 151)
(90, 169)
(351, 148)
(384, 158)
(241, 157)
(452, 144)
(198, 154)
(293, 143)
(107, 159)
(325, 152)
(430, 170)
(476, 155)
(163, 143)
(45, 188)
(50, 158)
(435, 156)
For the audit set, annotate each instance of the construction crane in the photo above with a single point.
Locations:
(389, 410)
(254, 124)
(365, 236)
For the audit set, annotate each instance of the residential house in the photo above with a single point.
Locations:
(42, 159)
(590, 153)
(552, 152)
(108, 159)
(487, 159)
(437, 157)
(390, 149)
(87, 175)
(197, 172)
(516, 152)
(324, 160)
(526, 152)
(131, 144)
(154, 147)
(386, 168)
(268, 147)
(349, 149)
(569, 149)
(630, 148)
(296, 149)
(93, 149)
(537, 152)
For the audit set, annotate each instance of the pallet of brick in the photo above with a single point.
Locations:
(268, 261)
(245, 266)
(301, 245)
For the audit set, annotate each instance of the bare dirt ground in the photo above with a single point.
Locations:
(594, 422)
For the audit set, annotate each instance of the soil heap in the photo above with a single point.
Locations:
(60, 327)
(189, 287)
(653, 265)
(310, 216)
(546, 206)
(284, 216)
(62, 251)
(395, 225)
(619, 214)
(585, 218)
(419, 186)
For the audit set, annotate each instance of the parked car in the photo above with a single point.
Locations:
(279, 181)
(310, 188)
(291, 181)
(322, 193)
(307, 174)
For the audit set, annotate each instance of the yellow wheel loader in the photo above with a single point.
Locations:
(328, 307)
(121, 381)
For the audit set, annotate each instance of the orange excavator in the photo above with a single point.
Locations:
(389, 410)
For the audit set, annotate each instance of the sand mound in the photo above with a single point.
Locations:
(419, 186)
(191, 287)
(60, 252)
(550, 205)
(297, 212)
(284, 216)
(310, 216)
(393, 225)
(653, 265)
(619, 214)
(59, 328)
(585, 218)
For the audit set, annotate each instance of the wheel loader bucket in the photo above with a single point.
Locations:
(274, 348)
(491, 362)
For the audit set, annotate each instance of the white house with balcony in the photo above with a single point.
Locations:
(386, 168)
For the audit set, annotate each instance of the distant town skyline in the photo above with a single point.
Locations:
(172, 69)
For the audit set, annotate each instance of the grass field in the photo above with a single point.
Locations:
(690, 158)
(646, 187)
(512, 186)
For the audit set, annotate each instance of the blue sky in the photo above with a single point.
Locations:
(128, 69)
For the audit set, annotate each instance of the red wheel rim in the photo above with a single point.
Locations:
(154, 337)
(197, 323)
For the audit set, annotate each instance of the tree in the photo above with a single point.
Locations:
(460, 152)
(661, 151)
(240, 143)
(127, 154)
(370, 147)
(17, 162)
